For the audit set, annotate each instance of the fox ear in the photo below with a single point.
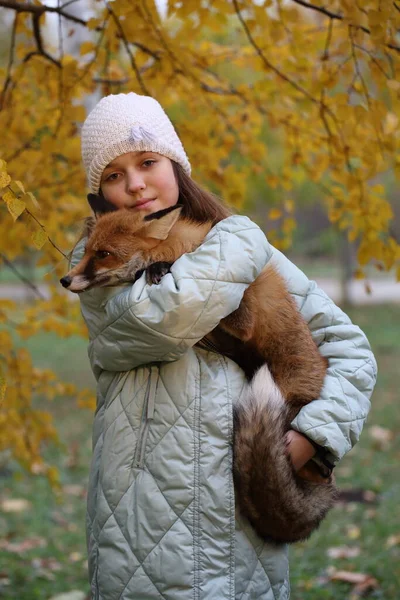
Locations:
(159, 224)
(99, 204)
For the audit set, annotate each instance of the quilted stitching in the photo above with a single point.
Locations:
(192, 510)
(114, 511)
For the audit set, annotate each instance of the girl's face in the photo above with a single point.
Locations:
(141, 181)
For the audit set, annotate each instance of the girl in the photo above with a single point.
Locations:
(161, 520)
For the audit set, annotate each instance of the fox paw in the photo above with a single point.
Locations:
(156, 271)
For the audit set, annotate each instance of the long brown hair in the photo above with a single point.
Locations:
(198, 204)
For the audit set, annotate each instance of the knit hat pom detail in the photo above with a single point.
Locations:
(124, 123)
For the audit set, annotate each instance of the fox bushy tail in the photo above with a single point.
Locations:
(280, 505)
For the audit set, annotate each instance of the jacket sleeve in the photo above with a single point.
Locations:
(151, 323)
(336, 419)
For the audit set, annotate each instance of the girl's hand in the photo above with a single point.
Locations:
(299, 449)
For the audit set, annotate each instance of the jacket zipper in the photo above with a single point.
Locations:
(147, 416)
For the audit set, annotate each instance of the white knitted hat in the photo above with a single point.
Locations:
(124, 123)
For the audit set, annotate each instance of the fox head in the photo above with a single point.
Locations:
(121, 244)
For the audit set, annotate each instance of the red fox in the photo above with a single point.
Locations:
(266, 333)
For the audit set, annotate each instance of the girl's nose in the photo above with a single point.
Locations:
(135, 183)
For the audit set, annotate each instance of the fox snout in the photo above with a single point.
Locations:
(66, 281)
(76, 282)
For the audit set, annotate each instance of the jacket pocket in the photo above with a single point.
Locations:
(147, 417)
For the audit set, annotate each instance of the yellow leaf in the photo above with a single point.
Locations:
(289, 205)
(4, 179)
(353, 532)
(39, 238)
(8, 196)
(29, 197)
(15, 207)
(274, 214)
(272, 181)
(53, 477)
(5, 342)
(86, 47)
(359, 274)
(393, 84)
(352, 235)
(3, 387)
(17, 188)
(93, 23)
(391, 123)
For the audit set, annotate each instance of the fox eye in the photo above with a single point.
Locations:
(102, 254)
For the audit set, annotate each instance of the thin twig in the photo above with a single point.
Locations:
(364, 86)
(128, 50)
(44, 229)
(371, 56)
(26, 281)
(37, 34)
(20, 150)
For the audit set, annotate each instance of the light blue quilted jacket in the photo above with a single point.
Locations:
(161, 520)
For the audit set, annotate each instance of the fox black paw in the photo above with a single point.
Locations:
(156, 271)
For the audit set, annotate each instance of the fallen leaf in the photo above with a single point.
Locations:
(15, 505)
(362, 582)
(47, 563)
(347, 576)
(343, 552)
(393, 540)
(4, 579)
(72, 595)
(353, 532)
(74, 489)
(45, 567)
(24, 545)
(381, 436)
(75, 556)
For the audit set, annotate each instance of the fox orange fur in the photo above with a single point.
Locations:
(266, 333)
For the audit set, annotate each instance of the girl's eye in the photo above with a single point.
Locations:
(112, 177)
(148, 162)
(102, 254)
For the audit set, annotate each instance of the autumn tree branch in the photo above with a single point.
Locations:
(339, 17)
(21, 7)
(37, 34)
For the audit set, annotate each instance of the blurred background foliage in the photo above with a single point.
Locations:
(289, 111)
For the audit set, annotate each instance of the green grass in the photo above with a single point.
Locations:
(60, 565)
(31, 574)
(368, 466)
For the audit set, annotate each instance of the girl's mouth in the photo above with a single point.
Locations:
(144, 202)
